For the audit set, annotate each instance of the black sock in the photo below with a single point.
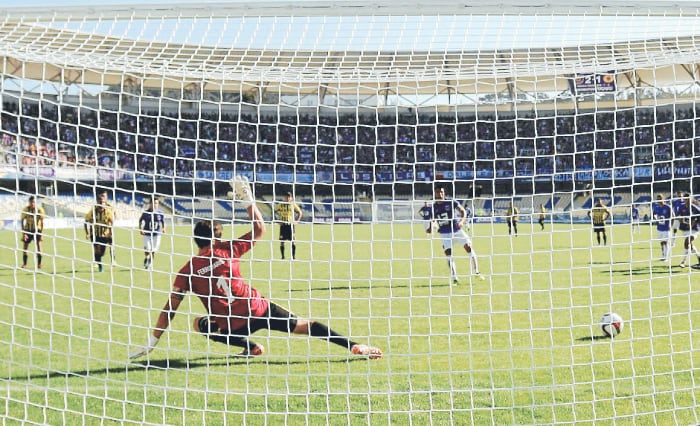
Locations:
(24, 259)
(323, 332)
(38, 259)
(282, 250)
(294, 250)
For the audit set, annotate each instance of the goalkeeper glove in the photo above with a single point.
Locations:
(146, 349)
(242, 189)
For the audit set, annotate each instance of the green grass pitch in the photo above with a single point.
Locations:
(521, 347)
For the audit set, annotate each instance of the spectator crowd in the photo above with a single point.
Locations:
(390, 146)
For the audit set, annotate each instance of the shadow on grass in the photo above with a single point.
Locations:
(233, 360)
(649, 270)
(593, 338)
(177, 364)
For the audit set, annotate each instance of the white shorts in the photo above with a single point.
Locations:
(151, 243)
(663, 236)
(676, 224)
(459, 238)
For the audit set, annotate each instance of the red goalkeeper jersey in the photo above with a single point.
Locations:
(216, 278)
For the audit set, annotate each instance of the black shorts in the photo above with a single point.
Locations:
(104, 241)
(28, 237)
(598, 228)
(276, 318)
(286, 232)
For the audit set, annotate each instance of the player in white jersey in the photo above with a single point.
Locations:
(689, 215)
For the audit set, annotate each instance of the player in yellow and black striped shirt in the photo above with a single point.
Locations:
(599, 214)
(288, 213)
(512, 216)
(32, 229)
(99, 221)
(543, 210)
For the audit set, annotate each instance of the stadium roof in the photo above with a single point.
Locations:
(32, 48)
(119, 9)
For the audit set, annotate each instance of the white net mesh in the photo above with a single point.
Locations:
(358, 111)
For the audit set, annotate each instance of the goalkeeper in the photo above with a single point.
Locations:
(236, 310)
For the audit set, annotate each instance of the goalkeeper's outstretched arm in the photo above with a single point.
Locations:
(244, 195)
(166, 315)
(258, 221)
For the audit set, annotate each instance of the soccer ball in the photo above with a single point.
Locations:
(611, 324)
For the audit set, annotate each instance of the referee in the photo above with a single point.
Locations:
(288, 213)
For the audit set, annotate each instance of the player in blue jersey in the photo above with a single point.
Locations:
(152, 226)
(676, 202)
(694, 230)
(426, 213)
(662, 218)
(634, 218)
(449, 216)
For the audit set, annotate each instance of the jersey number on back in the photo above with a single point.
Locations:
(222, 284)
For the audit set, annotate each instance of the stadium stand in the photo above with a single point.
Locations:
(570, 143)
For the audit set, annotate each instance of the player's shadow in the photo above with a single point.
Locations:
(69, 374)
(234, 360)
(178, 364)
(593, 338)
(644, 270)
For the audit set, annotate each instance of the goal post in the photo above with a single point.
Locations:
(536, 118)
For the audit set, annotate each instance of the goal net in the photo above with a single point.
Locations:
(551, 129)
